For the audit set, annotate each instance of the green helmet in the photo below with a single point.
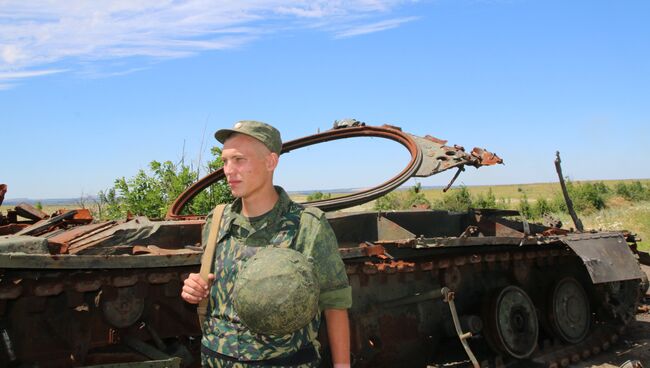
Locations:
(276, 292)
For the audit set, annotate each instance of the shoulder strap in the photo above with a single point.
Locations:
(208, 252)
(208, 256)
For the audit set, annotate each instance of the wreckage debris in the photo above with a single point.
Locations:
(74, 291)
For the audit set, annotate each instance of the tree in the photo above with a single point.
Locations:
(150, 193)
(217, 193)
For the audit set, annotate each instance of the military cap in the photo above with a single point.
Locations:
(261, 131)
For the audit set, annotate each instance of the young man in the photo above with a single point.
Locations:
(263, 215)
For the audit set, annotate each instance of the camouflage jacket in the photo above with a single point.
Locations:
(290, 225)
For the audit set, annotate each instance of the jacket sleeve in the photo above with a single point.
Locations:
(317, 241)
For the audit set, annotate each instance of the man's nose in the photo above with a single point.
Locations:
(227, 168)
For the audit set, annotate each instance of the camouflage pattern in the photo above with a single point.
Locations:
(212, 362)
(276, 292)
(287, 225)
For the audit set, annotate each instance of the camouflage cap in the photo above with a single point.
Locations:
(261, 131)
(276, 292)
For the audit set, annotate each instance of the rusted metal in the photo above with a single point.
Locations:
(607, 257)
(565, 192)
(81, 216)
(65, 239)
(427, 158)
(71, 262)
(486, 157)
(28, 211)
(112, 284)
(12, 228)
(3, 191)
(44, 225)
(448, 297)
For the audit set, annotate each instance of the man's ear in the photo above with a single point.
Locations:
(272, 161)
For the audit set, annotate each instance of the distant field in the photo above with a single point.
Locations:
(619, 214)
(532, 191)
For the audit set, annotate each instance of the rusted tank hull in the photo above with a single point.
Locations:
(398, 319)
(480, 288)
(73, 312)
(71, 318)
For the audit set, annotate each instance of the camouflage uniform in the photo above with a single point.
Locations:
(288, 225)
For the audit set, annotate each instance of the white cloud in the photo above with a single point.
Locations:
(374, 27)
(14, 75)
(28, 74)
(10, 54)
(36, 34)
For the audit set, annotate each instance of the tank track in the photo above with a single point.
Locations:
(613, 304)
(53, 301)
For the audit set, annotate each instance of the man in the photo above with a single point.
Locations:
(263, 215)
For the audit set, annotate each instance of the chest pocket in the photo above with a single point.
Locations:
(286, 235)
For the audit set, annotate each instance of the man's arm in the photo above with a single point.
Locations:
(338, 332)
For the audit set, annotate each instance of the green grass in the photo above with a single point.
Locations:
(619, 214)
(622, 215)
(515, 191)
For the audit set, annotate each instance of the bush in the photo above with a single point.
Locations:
(217, 193)
(487, 201)
(588, 197)
(415, 198)
(457, 200)
(412, 198)
(524, 207)
(317, 196)
(503, 203)
(634, 191)
(543, 207)
(388, 202)
(151, 193)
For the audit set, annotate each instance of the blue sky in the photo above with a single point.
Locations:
(92, 91)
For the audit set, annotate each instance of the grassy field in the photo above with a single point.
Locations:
(619, 214)
(514, 192)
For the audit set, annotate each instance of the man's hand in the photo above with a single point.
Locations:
(195, 288)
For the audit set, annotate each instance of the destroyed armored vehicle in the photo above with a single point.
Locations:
(483, 287)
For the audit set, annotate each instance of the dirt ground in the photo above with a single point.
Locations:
(634, 344)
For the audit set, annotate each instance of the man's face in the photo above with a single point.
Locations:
(248, 165)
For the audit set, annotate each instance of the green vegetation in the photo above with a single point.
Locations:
(635, 191)
(399, 200)
(151, 193)
(317, 196)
